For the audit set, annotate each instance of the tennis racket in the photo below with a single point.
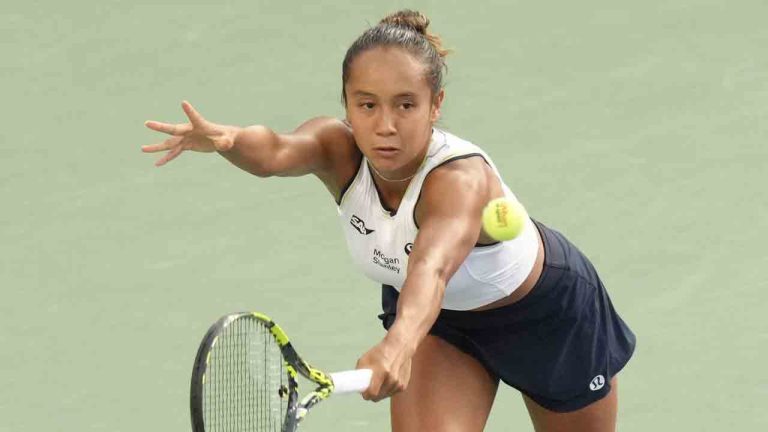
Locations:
(245, 378)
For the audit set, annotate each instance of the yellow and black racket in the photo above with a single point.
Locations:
(245, 378)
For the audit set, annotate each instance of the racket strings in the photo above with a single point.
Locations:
(244, 378)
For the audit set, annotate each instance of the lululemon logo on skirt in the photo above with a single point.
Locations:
(597, 383)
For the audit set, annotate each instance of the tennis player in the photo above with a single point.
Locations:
(462, 312)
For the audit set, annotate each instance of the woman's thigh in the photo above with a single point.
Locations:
(448, 391)
(599, 416)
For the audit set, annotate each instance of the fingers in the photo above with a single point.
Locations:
(171, 155)
(172, 144)
(391, 373)
(196, 120)
(376, 380)
(170, 129)
(165, 145)
(383, 387)
(194, 117)
(179, 131)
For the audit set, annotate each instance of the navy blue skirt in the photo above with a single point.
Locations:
(560, 345)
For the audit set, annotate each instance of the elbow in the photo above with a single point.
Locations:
(260, 172)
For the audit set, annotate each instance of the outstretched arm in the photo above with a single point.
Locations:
(448, 230)
(313, 148)
(322, 146)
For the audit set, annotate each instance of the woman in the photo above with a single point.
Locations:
(462, 311)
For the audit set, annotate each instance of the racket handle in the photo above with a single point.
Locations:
(351, 381)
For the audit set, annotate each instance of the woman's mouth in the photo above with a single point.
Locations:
(385, 151)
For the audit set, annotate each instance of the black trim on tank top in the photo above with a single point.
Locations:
(349, 183)
(378, 195)
(465, 156)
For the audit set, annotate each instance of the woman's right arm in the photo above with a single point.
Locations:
(313, 148)
(322, 146)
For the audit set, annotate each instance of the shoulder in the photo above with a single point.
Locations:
(450, 149)
(462, 166)
(337, 144)
(328, 131)
(460, 174)
(457, 188)
(332, 135)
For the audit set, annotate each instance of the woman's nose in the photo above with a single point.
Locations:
(385, 124)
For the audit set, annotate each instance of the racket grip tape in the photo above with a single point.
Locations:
(351, 381)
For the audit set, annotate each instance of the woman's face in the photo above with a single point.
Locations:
(391, 109)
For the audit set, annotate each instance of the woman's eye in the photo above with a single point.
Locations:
(367, 105)
(407, 105)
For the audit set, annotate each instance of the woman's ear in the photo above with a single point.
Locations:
(437, 103)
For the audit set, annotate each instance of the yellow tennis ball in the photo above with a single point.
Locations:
(503, 219)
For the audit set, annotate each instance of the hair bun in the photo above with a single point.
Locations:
(405, 29)
(414, 20)
(418, 22)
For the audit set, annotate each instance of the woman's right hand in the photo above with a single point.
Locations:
(198, 135)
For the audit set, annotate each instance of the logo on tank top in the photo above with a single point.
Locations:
(597, 383)
(408, 248)
(359, 225)
(385, 262)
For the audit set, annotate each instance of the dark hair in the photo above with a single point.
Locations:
(405, 29)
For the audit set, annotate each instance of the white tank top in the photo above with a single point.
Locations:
(380, 242)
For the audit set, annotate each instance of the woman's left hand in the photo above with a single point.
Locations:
(391, 366)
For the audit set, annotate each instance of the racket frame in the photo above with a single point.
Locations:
(294, 364)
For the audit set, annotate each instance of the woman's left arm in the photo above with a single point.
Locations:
(448, 215)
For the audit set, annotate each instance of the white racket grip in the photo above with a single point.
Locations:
(351, 381)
